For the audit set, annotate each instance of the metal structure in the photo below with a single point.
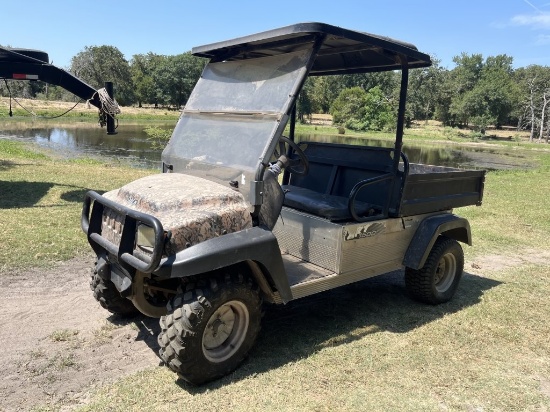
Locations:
(32, 65)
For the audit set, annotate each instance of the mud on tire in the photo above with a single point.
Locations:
(109, 298)
(437, 281)
(210, 328)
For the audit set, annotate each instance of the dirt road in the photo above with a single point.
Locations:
(57, 343)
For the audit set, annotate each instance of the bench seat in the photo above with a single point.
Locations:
(334, 208)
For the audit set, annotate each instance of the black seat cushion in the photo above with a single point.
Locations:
(319, 204)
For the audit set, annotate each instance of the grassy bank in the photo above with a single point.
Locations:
(26, 108)
(362, 347)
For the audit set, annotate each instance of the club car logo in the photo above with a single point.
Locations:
(364, 231)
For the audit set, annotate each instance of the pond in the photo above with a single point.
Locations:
(131, 145)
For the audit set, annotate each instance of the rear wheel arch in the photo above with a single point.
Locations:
(427, 233)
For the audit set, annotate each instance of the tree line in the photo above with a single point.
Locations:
(478, 92)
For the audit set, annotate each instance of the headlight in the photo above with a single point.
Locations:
(145, 236)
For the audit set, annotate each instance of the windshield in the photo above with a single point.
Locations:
(234, 112)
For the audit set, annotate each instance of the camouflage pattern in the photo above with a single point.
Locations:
(192, 208)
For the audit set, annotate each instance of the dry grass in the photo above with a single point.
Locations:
(54, 108)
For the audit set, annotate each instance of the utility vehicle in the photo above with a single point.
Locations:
(242, 214)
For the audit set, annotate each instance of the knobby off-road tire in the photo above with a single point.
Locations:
(210, 328)
(438, 280)
(106, 293)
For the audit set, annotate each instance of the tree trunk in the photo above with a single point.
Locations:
(542, 114)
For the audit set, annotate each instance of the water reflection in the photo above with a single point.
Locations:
(131, 145)
(479, 157)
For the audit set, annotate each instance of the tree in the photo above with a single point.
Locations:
(324, 91)
(349, 107)
(480, 92)
(425, 87)
(99, 64)
(142, 67)
(304, 104)
(175, 76)
(357, 109)
(534, 85)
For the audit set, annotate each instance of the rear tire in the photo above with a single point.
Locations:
(106, 293)
(438, 280)
(210, 328)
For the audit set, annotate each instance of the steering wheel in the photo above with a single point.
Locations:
(300, 166)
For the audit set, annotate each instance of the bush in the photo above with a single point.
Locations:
(158, 136)
(359, 110)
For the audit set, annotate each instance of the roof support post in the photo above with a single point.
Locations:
(401, 113)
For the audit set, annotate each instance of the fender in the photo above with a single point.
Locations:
(255, 244)
(427, 232)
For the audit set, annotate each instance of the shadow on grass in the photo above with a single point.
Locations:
(22, 194)
(28, 194)
(7, 164)
(337, 317)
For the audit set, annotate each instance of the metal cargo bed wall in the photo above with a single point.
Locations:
(435, 188)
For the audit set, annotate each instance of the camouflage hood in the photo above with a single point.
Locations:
(192, 208)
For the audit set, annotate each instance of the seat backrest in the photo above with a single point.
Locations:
(334, 169)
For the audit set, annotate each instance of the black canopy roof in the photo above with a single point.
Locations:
(342, 51)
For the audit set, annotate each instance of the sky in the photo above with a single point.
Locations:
(441, 28)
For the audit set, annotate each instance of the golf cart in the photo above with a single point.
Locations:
(243, 214)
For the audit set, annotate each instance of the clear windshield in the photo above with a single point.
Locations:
(235, 109)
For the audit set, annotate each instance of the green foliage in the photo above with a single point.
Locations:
(174, 78)
(451, 133)
(158, 136)
(348, 108)
(481, 123)
(359, 110)
(99, 64)
(478, 91)
(305, 103)
(425, 89)
(325, 91)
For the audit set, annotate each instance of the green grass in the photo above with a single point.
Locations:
(41, 202)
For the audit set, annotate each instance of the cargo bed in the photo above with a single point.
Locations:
(358, 183)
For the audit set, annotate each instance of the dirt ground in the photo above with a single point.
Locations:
(58, 344)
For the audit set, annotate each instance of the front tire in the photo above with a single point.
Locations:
(438, 280)
(210, 328)
(106, 293)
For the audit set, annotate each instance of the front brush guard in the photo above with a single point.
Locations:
(125, 252)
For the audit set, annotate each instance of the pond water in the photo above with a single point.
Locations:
(131, 145)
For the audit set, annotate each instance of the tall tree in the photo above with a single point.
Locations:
(175, 77)
(480, 92)
(99, 64)
(534, 84)
(142, 67)
(425, 87)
